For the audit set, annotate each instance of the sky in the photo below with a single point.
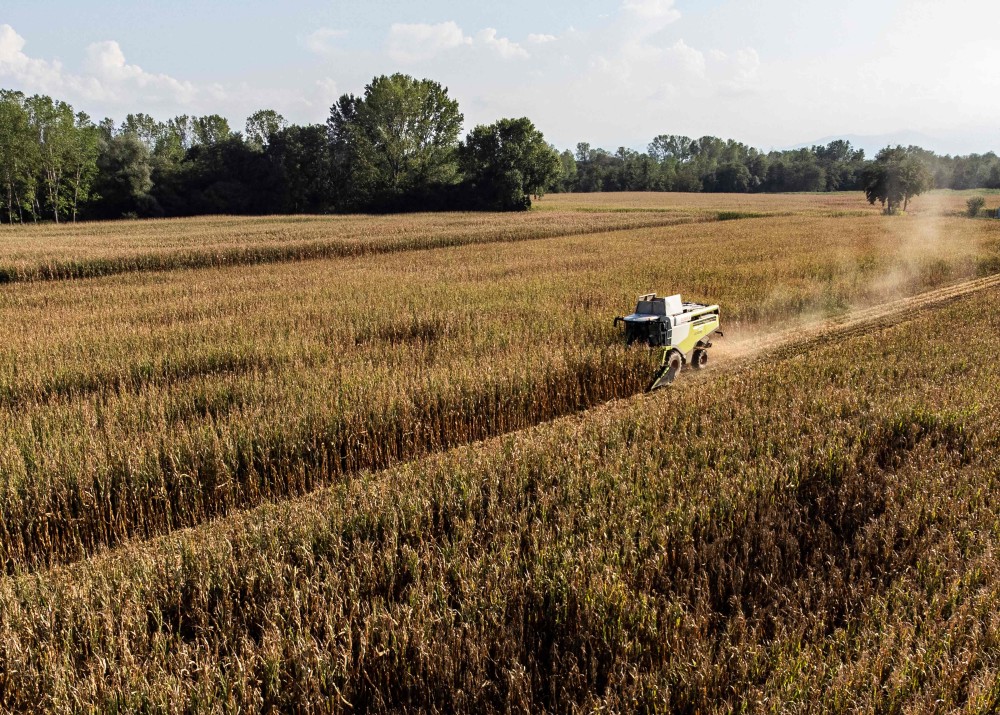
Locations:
(770, 73)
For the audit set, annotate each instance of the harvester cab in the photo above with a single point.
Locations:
(683, 331)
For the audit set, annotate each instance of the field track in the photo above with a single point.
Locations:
(750, 353)
(793, 341)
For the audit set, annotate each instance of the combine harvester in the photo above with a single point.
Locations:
(682, 330)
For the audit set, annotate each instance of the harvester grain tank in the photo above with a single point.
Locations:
(683, 331)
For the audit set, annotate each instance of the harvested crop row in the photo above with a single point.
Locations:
(138, 404)
(693, 551)
(68, 252)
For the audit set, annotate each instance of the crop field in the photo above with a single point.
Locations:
(50, 252)
(415, 469)
(941, 202)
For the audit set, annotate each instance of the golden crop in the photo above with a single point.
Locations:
(940, 202)
(763, 536)
(51, 252)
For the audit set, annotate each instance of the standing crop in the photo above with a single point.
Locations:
(419, 475)
(718, 548)
(141, 403)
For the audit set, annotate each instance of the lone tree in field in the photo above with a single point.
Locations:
(506, 163)
(895, 177)
(396, 142)
(974, 205)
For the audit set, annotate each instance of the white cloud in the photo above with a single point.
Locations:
(107, 76)
(501, 45)
(106, 60)
(108, 84)
(624, 81)
(635, 60)
(328, 89)
(15, 64)
(409, 43)
(105, 63)
(687, 58)
(322, 41)
(420, 42)
(636, 74)
(661, 11)
(745, 66)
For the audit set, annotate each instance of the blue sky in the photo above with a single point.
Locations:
(772, 73)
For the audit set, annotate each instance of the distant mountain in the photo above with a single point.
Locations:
(873, 143)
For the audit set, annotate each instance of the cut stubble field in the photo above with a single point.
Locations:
(693, 549)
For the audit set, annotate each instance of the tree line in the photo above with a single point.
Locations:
(395, 147)
(710, 164)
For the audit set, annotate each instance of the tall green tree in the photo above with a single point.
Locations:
(841, 163)
(396, 141)
(211, 129)
(300, 157)
(82, 163)
(261, 126)
(673, 147)
(567, 179)
(508, 162)
(53, 125)
(895, 177)
(177, 137)
(732, 177)
(124, 176)
(144, 128)
(18, 157)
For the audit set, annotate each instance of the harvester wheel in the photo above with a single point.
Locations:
(699, 359)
